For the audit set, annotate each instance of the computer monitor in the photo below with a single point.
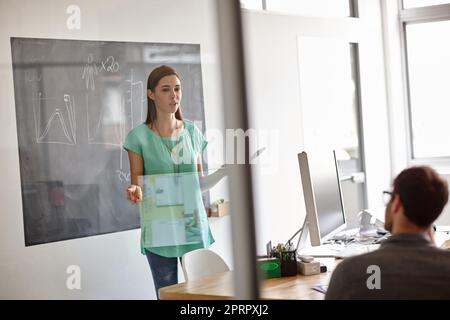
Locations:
(325, 215)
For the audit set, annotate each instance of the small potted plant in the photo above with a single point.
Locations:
(287, 256)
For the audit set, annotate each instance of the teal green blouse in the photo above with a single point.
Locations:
(155, 152)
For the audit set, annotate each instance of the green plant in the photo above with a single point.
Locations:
(284, 253)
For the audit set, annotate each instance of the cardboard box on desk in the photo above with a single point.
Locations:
(223, 209)
(308, 268)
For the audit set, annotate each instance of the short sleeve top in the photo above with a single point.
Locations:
(157, 159)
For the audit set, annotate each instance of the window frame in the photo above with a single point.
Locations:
(409, 16)
(353, 9)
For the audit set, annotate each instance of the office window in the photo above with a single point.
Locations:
(252, 4)
(428, 65)
(332, 120)
(422, 3)
(316, 8)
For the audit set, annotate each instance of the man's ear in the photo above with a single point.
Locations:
(150, 94)
(396, 203)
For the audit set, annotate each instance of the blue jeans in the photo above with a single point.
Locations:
(164, 270)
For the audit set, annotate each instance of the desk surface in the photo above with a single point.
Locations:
(220, 286)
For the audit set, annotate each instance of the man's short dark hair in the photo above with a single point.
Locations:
(423, 194)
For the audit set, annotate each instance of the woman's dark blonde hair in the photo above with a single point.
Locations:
(153, 80)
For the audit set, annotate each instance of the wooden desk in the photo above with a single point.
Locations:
(220, 286)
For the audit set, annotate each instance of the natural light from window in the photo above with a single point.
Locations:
(428, 53)
(314, 8)
(251, 4)
(328, 95)
(422, 3)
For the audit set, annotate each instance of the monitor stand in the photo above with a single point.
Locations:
(303, 235)
(317, 251)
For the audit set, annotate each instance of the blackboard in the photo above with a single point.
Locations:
(75, 103)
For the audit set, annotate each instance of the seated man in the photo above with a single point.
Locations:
(408, 265)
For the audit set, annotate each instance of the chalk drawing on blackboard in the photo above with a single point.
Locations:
(60, 126)
(92, 175)
(32, 76)
(110, 65)
(123, 173)
(89, 72)
(136, 97)
(105, 119)
(123, 176)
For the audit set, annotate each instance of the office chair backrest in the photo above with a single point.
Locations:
(202, 262)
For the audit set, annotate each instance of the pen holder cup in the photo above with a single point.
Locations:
(288, 263)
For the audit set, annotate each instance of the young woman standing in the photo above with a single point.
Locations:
(154, 148)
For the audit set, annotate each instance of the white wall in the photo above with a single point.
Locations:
(111, 265)
(275, 102)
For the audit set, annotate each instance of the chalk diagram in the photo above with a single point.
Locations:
(110, 120)
(89, 72)
(135, 99)
(54, 123)
(32, 76)
(104, 120)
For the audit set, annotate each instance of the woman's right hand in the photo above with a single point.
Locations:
(134, 193)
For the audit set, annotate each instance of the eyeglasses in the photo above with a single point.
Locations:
(387, 196)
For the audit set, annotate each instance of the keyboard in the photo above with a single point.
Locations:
(355, 249)
(339, 251)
